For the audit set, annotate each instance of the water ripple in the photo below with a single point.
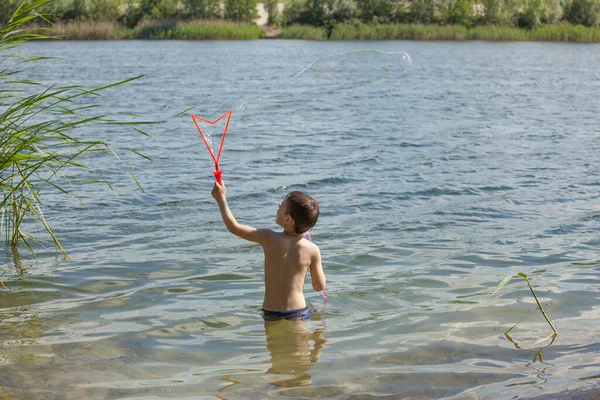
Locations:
(430, 192)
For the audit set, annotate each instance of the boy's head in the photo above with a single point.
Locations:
(301, 208)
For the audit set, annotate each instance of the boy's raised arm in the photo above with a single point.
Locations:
(317, 276)
(245, 232)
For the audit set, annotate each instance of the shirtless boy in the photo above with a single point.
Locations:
(288, 255)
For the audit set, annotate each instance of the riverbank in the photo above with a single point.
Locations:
(561, 32)
(222, 30)
(157, 30)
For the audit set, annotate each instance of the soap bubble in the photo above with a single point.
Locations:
(359, 72)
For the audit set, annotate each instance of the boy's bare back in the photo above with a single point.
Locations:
(287, 259)
(288, 256)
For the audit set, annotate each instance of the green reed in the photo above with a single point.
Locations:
(91, 30)
(566, 33)
(507, 279)
(200, 30)
(303, 32)
(225, 30)
(360, 31)
(498, 33)
(37, 141)
(174, 30)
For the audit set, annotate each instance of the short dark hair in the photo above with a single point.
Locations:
(304, 209)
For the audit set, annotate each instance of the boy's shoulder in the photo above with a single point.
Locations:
(268, 234)
(304, 243)
(309, 243)
(309, 246)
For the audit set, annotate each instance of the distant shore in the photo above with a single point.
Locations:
(221, 30)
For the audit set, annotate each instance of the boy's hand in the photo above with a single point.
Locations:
(218, 192)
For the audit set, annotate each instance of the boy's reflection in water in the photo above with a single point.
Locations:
(293, 349)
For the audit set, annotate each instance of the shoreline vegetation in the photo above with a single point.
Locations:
(228, 30)
(493, 20)
(154, 30)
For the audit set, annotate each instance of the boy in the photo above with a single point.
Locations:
(288, 256)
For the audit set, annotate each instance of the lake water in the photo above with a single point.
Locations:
(484, 161)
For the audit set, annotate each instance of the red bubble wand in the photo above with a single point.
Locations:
(218, 173)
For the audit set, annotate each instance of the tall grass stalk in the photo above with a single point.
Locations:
(360, 31)
(498, 33)
(303, 32)
(566, 33)
(37, 144)
(180, 30)
(199, 30)
(219, 29)
(91, 30)
(507, 279)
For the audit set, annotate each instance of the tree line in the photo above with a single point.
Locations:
(515, 13)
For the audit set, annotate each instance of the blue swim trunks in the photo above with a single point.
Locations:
(301, 313)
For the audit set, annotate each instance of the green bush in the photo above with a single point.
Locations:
(240, 10)
(496, 12)
(7, 8)
(582, 12)
(552, 11)
(197, 9)
(374, 10)
(293, 11)
(422, 11)
(343, 10)
(530, 18)
(149, 10)
(104, 10)
(275, 17)
(454, 12)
